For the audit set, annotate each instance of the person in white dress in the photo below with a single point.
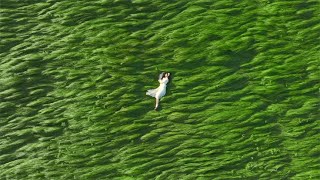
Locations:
(161, 90)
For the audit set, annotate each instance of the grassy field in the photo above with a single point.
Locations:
(243, 102)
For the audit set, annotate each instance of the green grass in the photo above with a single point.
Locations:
(243, 102)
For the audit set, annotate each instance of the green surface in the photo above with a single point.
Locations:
(243, 102)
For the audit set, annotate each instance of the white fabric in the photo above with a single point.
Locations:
(161, 90)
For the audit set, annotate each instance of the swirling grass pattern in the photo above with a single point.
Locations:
(243, 102)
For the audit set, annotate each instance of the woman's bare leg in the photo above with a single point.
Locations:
(157, 104)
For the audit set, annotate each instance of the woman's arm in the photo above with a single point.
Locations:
(161, 75)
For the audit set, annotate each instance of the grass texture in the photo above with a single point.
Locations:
(243, 102)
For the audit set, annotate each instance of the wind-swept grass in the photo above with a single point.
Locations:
(242, 103)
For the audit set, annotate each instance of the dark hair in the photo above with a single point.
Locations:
(163, 75)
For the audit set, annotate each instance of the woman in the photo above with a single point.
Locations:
(161, 90)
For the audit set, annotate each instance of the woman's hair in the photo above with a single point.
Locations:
(163, 75)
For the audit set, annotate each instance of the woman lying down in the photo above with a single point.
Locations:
(161, 90)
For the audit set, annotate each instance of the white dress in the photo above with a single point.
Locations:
(161, 90)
